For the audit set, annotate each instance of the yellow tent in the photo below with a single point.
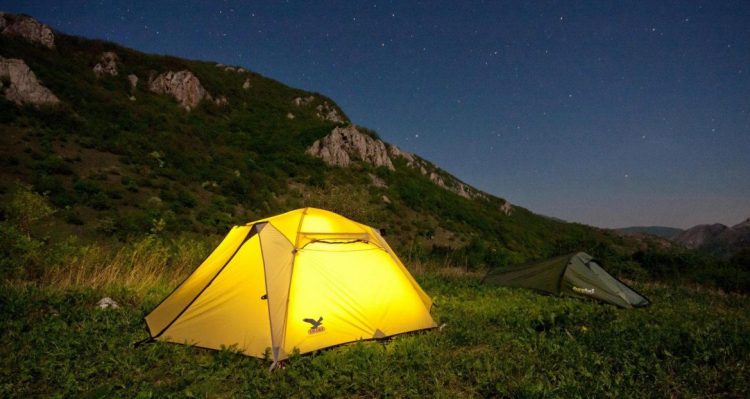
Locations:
(306, 279)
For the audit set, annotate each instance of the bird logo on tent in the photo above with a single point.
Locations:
(316, 325)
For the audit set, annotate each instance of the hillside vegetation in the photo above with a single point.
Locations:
(118, 162)
(118, 167)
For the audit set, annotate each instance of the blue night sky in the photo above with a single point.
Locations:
(607, 113)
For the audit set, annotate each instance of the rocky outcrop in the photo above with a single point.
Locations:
(19, 84)
(324, 110)
(27, 28)
(377, 181)
(302, 101)
(345, 144)
(133, 81)
(410, 158)
(107, 64)
(449, 182)
(506, 208)
(182, 85)
(455, 186)
(437, 179)
(329, 113)
(220, 100)
(231, 68)
(247, 84)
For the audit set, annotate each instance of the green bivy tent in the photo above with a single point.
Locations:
(577, 274)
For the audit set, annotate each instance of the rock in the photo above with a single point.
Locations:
(241, 70)
(408, 156)
(329, 113)
(452, 184)
(230, 69)
(301, 101)
(132, 98)
(156, 155)
(289, 115)
(23, 87)
(154, 201)
(246, 85)
(220, 100)
(220, 65)
(506, 208)
(462, 191)
(386, 199)
(182, 85)
(344, 143)
(106, 303)
(437, 179)
(27, 28)
(376, 181)
(210, 184)
(133, 81)
(108, 64)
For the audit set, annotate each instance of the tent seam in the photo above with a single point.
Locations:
(291, 276)
(247, 237)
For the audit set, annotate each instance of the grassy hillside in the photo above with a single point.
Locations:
(114, 170)
(123, 168)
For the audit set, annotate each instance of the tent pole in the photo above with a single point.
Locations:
(144, 341)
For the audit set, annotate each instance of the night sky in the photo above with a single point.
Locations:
(607, 113)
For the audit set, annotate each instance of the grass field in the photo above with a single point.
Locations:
(497, 342)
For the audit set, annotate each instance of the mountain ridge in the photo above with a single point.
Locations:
(717, 238)
(659, 231)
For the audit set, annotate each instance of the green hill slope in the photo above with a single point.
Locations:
(122, 160)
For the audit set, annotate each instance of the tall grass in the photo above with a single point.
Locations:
(138, 266)
(154, 262)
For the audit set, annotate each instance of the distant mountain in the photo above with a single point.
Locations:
(717, 238)
(659, 231)
(125, 143)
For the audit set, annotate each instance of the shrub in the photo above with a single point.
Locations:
(26, 207)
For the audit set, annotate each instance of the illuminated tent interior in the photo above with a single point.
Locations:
(306, 279)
